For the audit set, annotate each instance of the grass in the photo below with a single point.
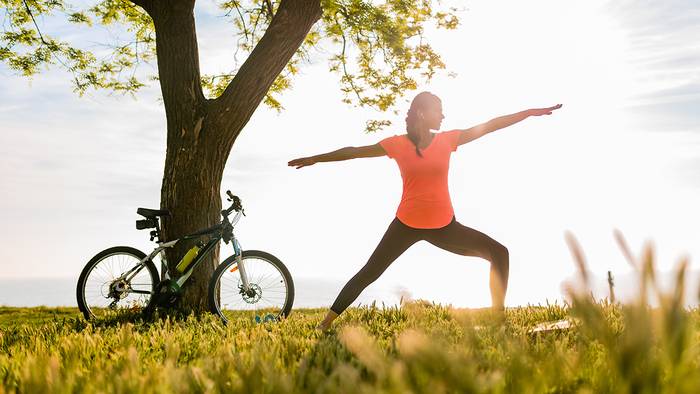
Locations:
(418, 347)
(33, 316)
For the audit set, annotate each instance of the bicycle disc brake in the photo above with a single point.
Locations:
(253, 295)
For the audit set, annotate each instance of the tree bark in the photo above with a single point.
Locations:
(192, 176)
(201, 132)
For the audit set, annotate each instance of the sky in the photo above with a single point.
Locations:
(623, 153)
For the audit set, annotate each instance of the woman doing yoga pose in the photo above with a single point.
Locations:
(425, 211)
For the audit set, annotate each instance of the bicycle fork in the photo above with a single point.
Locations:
(238, 255)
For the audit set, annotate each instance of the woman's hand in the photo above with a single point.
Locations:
(302, 162)
(544, 111)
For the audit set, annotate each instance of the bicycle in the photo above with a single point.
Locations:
(249, 283)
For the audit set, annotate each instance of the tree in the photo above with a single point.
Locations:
(379, 54)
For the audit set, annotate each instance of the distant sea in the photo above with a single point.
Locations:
(309, 293)
(318, 293)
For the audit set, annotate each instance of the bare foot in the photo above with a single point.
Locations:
(498, 316)
(325, 325)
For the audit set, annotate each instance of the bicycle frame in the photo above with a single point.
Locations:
(216, 231)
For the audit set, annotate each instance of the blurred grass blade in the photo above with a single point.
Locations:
(579, 259)
(625, 249)
(679, 288)
(648, 275)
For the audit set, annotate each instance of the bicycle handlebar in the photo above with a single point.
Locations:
(236, 204)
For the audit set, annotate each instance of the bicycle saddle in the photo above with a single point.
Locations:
(151, 213)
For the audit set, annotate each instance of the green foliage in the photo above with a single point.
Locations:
(378, 49)
(374, 125)
(388, 45)
(385, 57)
(26, 47)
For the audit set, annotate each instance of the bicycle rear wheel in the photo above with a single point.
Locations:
(100, 293)
(270, 295)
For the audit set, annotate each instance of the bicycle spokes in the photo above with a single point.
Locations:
(105, 287)
(266, 294)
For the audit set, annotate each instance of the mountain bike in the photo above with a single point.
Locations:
(250, 283)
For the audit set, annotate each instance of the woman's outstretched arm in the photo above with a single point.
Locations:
(475, 132)
(347, 153)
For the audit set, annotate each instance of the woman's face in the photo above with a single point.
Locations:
(432, 116)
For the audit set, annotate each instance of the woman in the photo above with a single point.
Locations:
(425, 211)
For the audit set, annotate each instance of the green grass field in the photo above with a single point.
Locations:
(419, 347)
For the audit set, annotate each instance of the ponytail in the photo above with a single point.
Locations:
(412, 129)
(413, 122)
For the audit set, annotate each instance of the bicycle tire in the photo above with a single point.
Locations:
(264, 259)
(137, 255)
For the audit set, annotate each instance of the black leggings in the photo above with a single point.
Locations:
(454, 237)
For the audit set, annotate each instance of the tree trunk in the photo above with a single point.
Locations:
(201, 132)
(192, 177)
(191, 187)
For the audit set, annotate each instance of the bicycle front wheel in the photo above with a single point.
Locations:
(102, 289)
(270, 293)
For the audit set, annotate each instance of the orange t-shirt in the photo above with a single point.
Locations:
(425, 202)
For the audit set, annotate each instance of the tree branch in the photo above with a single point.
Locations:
(43, 41)
(268, 3)
(343, 62)
(178, 61)
(145, 4)
(29, 11)
(284, 36)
